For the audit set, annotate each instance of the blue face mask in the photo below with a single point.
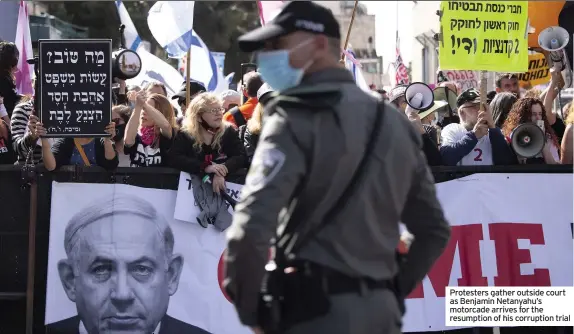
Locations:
(275, 69)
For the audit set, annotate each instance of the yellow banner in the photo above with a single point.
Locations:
(538, 71)
(484, 36)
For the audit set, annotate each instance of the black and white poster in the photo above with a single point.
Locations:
(75, 87)
(118, 262)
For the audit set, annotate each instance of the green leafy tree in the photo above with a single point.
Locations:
(219, 23)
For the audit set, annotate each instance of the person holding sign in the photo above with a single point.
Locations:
(476, 140)
(82, 151)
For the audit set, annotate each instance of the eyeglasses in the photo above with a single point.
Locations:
(214, 110)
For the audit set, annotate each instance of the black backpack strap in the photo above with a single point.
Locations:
(237, 116)
(297, 242)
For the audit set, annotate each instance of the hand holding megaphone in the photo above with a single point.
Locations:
(415, 119)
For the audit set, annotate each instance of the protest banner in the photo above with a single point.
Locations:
(538, 71)
(463, 79)
(484, 36)
(75, 88)
(511, 244)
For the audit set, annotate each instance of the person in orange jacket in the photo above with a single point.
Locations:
(239, 116)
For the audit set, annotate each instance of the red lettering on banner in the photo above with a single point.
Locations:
(509, 256)
(467, 238)
(221, 276)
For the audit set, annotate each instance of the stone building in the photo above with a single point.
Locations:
(362, 37)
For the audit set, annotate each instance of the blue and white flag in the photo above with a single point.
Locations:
(229, 78)
(171, 24)
(204, 68)
(356, 70)
(131, 35)
(155, 69)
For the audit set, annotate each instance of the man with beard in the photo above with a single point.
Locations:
(476, 140)
(508, 82)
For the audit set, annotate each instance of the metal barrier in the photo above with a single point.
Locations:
(24, 255)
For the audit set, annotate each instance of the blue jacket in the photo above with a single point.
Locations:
(501, 152)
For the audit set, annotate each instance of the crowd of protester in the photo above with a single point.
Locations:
(217, 134)
(465, 135)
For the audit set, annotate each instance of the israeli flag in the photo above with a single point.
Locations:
(229, 78)
(203, 67)
(171, 24)
(131, 35)
(351, 65)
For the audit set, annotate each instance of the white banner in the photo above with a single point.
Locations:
(507, 230)
(120, 280)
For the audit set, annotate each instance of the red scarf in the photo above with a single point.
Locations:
(147, 134)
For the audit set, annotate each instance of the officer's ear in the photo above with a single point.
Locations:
(322, 45)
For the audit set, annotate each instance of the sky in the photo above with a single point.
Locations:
(386, 26)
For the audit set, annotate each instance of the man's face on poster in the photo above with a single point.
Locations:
(121, 277)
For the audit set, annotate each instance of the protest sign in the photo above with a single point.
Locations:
(463, 79)
(75, 88)
(484, 36)
(538, 71)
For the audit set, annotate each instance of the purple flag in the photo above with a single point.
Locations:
(24, 45)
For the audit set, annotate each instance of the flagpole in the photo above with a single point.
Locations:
(397, 28)
(187, 76)
(349, 30)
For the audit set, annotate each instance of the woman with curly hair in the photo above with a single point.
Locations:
(566, 151)
(9, 56)
(531, 110)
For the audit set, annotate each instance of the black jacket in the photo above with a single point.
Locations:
(430, 146)
(169, 325)
(184, 157)
(9, 93)
(63, 148)
(250, 143)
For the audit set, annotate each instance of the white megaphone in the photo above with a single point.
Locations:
(527, 140)
(554, 40)
(419, 96)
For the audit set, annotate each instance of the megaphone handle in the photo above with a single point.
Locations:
(483, 92)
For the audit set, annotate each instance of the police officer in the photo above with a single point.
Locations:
(314, 137)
